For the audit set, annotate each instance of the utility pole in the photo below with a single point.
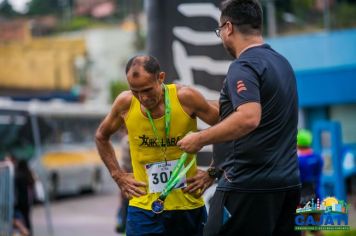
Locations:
(326, 15)
(66, 12)
(271, 18)
(135, 12)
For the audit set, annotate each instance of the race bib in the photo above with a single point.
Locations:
(159, 174)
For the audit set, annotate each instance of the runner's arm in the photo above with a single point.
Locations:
(196, 105)
(214, 103)
(112, 123)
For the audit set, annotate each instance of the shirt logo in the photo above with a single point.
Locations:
(153, 142)
(240, 86)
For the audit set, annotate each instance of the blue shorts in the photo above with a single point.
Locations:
(177, 222)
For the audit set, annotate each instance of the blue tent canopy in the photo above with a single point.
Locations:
(325, 66)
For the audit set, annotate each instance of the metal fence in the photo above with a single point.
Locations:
(6, 197)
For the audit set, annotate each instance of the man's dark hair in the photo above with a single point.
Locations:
(246, 15)
(149, 63)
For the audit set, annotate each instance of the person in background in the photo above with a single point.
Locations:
(310, 166)
(23, 195)
(19, 226)
(24, 192)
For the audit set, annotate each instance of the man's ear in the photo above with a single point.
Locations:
(230, 28)
(161, 77)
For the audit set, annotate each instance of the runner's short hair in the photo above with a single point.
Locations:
(149, 63)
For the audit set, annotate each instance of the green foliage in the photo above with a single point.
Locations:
(116, 87)
(302, 6)
(43, 7)
(129, 7)
(140, 41)
(6, 9)
(344, 16)
(76, 23)
(309, 18)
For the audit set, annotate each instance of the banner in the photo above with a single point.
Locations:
(181, 36)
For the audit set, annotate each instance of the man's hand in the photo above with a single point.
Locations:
(191, 143)
(199, 183)
(129, 186)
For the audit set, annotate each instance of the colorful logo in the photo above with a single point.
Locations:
(329, 214)
(240, 86)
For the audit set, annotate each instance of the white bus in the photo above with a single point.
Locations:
(58, 137)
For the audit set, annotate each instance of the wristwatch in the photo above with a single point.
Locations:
(213, 172)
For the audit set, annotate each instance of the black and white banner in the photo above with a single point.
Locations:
(181, 35)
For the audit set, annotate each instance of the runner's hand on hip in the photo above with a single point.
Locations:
(129, 186)
(200, 182)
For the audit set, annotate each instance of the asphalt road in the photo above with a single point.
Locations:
(95, 215)
(89, 215)
(86, 214)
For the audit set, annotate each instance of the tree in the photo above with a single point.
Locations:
(43, 7)
(6, 9)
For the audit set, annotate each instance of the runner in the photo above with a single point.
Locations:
(157, 116)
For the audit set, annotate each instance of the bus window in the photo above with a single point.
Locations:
(65, 151)
(15, 126)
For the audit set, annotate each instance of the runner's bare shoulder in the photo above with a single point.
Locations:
(187, 97)
(122, 102)
(185, 93)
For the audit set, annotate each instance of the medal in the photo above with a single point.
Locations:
(158, 206)
(177, 175)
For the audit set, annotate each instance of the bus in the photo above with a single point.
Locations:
(58, 139)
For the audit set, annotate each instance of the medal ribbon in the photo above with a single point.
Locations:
(177, 173)
(167, 120)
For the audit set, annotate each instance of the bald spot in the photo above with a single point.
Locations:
(137, 66)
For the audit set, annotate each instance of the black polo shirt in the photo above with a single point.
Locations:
(265, 159)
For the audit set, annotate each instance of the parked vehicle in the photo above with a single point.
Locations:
(58, 139)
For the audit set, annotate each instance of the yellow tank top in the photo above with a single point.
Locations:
(145, 152)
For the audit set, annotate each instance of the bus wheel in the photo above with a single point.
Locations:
(97, 181)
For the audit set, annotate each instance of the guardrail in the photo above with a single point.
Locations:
(6, 197)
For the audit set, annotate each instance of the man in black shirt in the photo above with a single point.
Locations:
(255, 141)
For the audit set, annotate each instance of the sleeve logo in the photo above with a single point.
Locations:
(240, 86)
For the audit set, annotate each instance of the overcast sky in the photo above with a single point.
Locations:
(18, 5)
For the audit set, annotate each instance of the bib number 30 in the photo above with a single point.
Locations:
(161, 177)
(159, 174)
